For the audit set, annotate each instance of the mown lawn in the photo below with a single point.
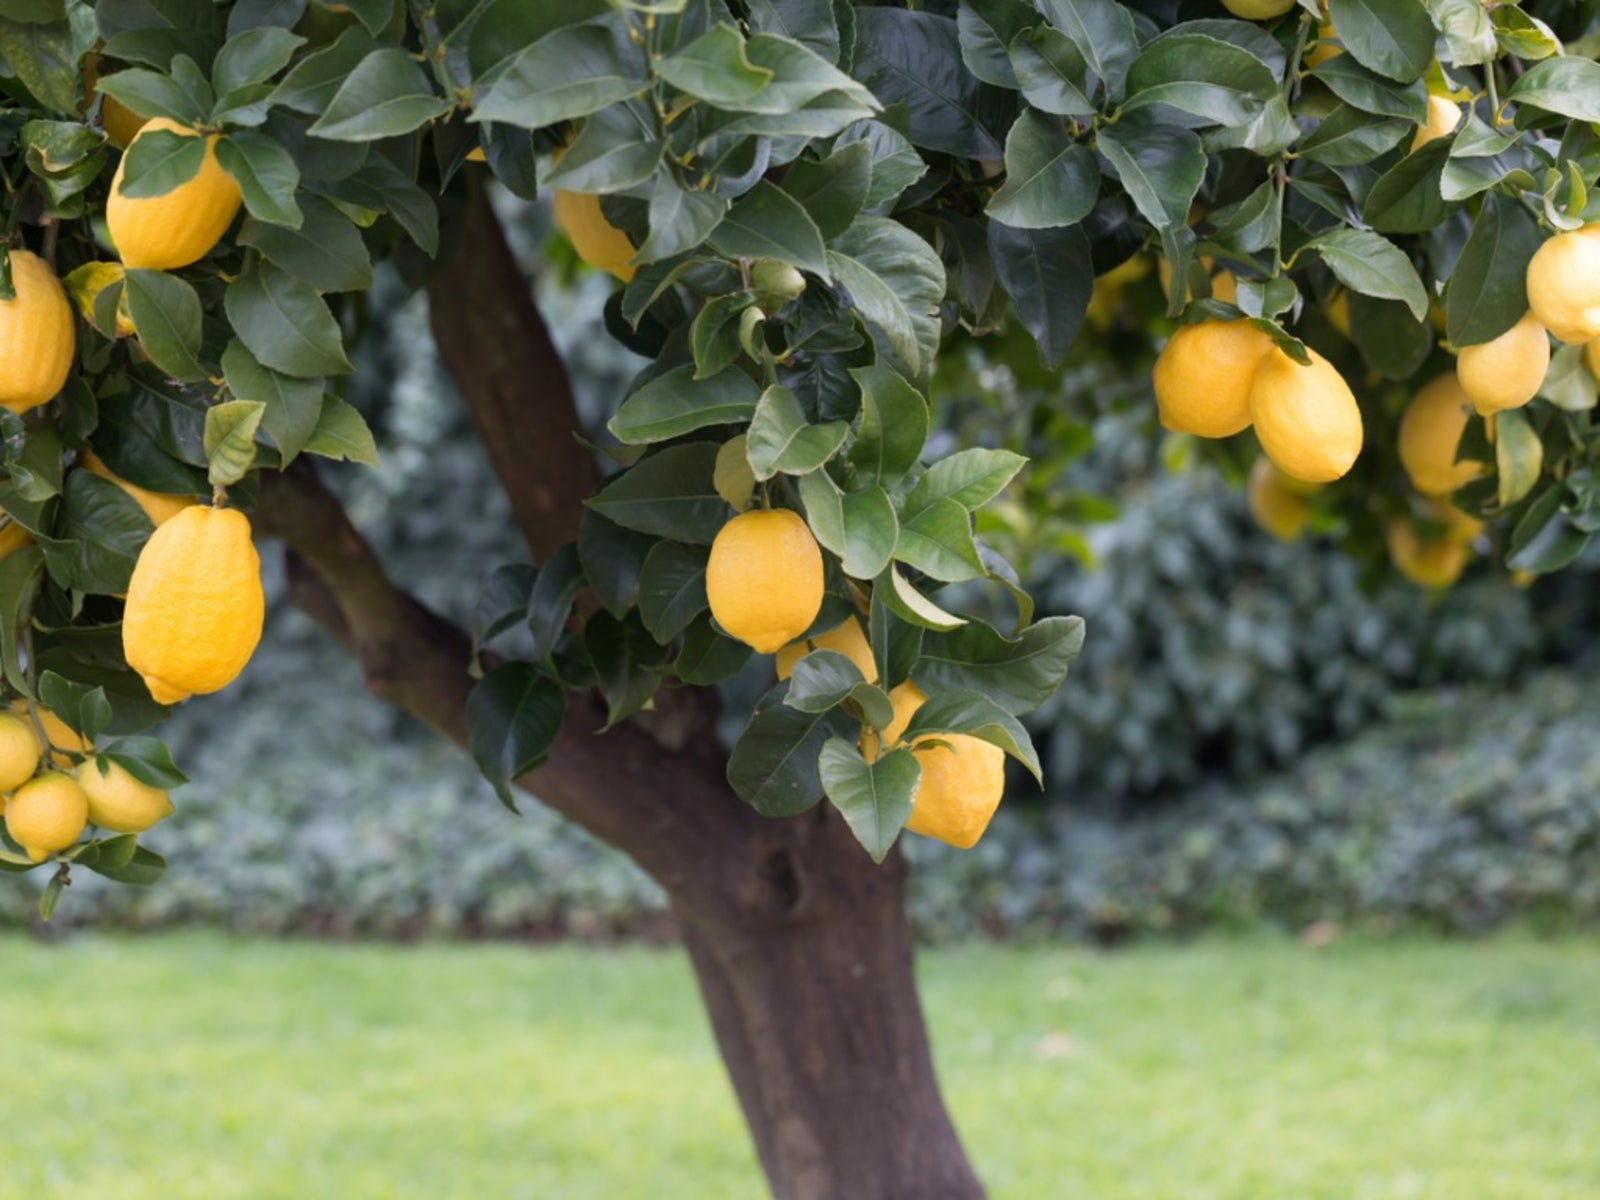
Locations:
(197, 1066)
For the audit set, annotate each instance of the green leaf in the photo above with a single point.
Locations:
(555, 587)
(99, 532)
(782, 441)
(1051, 180)
(20, 572)
(1392, 341)
(566, 74)
(1518, 456)
(896, 281)
(266, 174)
(291, 408)
(1018, 674)
(231, 440)
(669, 494)
(1408, 198)
(714, 68)
(160, 161)
(285, 323)
(1487, 293)
(514, 716)
(326, 251)
(156, 31)
(143, 868)
(1160, 165)
(861, 528)
(896, 165)
(978, 716)
(825, 679)
(769, 223)
(986, 28)
(969, 477)
(834, 190)
(1051, 72)
(680, 218)
(1373, 266)
(385, 96)
(894, 425)
(1049, 276)
(810, 22)
(1348, 137)
(874, 798)
(45, 59)
(1568, 86)
(609, 155)
(148, 760)
(910, 605)
(939, 543)
(254, 56)
(914, 58)
(166, 313)
(675, 403)
(152, 94)
(773, 765)
(1392, 38)
(1468, 32)
(715, 332)
(1371, 92)
(314, 80)
(342, 433)
(626, 661)
(1212, 79)
(612, 558)
(672, 589)
(1103, 32)
(706, 657)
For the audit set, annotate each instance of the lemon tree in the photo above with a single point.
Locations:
(1355, 245)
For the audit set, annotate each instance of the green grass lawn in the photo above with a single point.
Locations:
(196, 1066)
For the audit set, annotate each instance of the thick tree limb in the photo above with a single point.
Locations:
(495, 345)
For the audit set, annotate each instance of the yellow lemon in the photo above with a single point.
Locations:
(47, 814)
(64, 741)
(1591, 356)
(160, 507)
(174, 230)
(1326, 44)
(1129, 270)
(847, 639)
(1564, 285)
(1306, 417)
(1277, 502)
(1426, 562)
(1430, 431)
(962, 784)
(1258, 10)
(118, 801)
(1203, 376)
(121, 123)
(1508, 371)
(906, 698)
(1443, 117)
(764, 578)
(36, 335)
(195, 605)
(19, 751)
(597, 241)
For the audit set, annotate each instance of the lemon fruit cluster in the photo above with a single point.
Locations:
(597, 241)
(1430, 435)
(963, 777)
(764, 578)
(169, 231)
(195, 605)
(1215, 378)
(37, 339)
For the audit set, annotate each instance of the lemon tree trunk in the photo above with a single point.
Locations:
(799, 941)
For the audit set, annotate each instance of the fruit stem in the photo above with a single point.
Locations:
(1494, 93)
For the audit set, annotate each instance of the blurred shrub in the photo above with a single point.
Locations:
(1470, 808)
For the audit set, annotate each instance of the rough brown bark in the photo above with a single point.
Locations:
(799, 942)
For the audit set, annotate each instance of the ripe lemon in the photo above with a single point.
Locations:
(597, 241)
(764, 578)
(1443, 117)
(1306, 417)
(118, 801)
(1277, 502)
(1203, 377)
(1430, 431)
(121, 123)
(1508, 371)
(19, 751)
(195, 604)
(64, 741)
(1326, 44)
(174, 230)
(36, 335)
(160, 507)
(962, 785)
(1564, 284)
(847, 639)
(1427, 562)
(1258, 10)
(47, 815)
